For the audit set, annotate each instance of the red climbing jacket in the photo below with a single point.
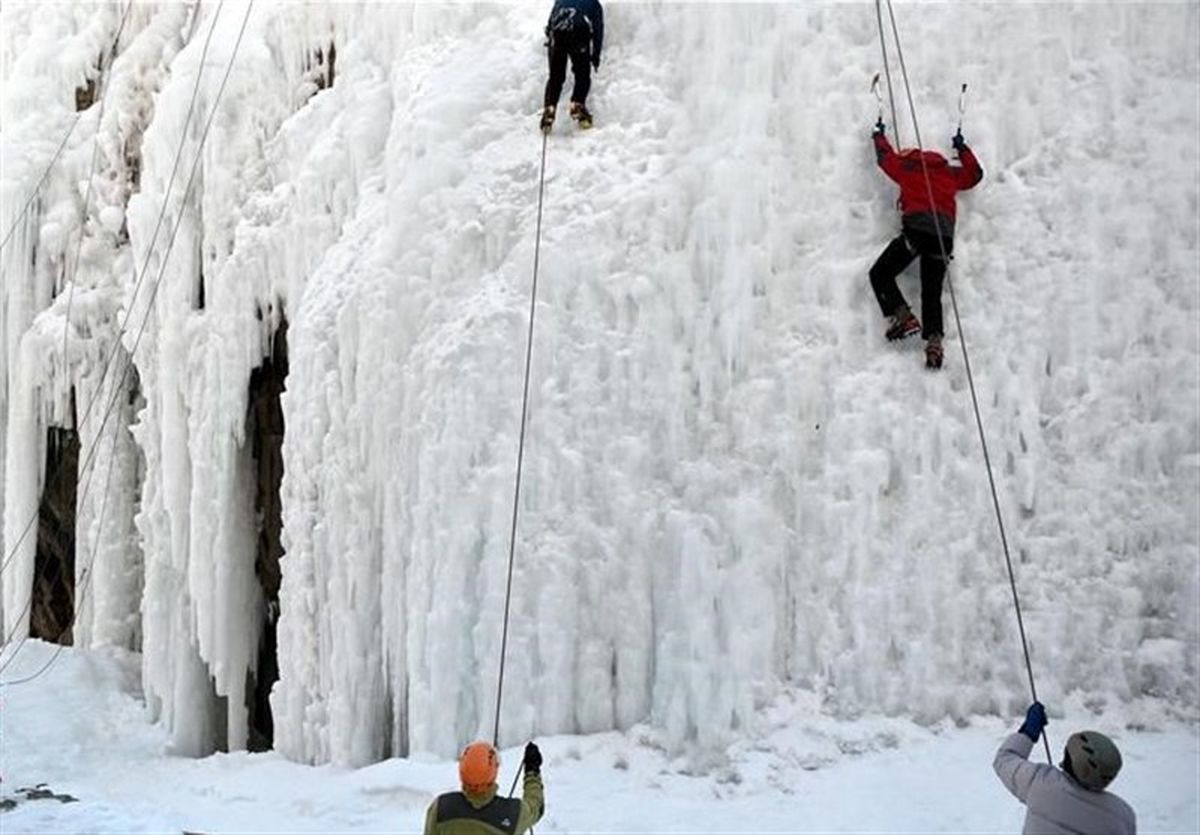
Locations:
(945, 181)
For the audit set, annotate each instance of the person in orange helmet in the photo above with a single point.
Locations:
(476, 810)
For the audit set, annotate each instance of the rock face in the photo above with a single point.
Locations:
(265, 431)
(52, 612)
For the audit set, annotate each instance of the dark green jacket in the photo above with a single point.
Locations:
(458, 813)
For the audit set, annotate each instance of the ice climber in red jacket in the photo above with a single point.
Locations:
(922, 221)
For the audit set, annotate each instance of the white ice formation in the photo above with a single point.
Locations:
(732, 485)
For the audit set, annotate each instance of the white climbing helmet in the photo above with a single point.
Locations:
(1094, 759)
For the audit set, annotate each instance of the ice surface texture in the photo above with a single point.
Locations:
(732, 485)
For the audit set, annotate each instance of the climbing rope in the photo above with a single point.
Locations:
(41, 181)
(59, 474)
(137, 341)
(962, 341)
(104, 88)
(887, 70)
(87, 197)
(102, 81)
(63, 144)
(77, 604)
(512, 538)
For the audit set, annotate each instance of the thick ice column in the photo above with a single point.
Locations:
(197, 509)
(23, 477)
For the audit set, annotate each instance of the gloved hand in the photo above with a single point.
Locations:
(958, 142)
(595, 62)
(1035, 721)
(533, 759)
(880, 130)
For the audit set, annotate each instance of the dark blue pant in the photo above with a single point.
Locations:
(898, 255)
(576, 47)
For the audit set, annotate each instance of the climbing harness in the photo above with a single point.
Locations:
(962, 341)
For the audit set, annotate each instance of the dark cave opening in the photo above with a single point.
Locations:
(265, 429)
(320, 68)
(52, 605)
(322, 65)
(85, 96)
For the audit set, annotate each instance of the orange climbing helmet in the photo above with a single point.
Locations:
(478, 767)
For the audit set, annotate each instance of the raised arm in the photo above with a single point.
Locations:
(884, 155)
(971, 172)
(1012, 763)
(1014, 769)
(533, 795)
(533, 801)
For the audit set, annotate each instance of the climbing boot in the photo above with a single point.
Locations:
(933, 353)
(904, 323)
(547, 118)
(580, 114)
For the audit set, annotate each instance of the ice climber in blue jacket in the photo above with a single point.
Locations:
(1072, 799)
(575, 31)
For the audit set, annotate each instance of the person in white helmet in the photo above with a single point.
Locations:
(1070, 801)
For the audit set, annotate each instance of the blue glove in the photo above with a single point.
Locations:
(958, 142)
(879, 129)
(1035, 721)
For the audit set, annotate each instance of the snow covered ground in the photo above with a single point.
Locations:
(80, 728)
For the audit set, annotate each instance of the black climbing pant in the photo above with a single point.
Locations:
(892, 261)
(575, 46)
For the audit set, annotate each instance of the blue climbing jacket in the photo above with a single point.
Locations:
(573, 15)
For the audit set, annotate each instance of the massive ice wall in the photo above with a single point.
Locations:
(731, 486)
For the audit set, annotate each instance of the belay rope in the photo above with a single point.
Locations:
(962, 341)
(888, 72)
(108, 411)
(512, 538)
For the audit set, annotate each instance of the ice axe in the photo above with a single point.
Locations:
(878, 95)
(962, 107)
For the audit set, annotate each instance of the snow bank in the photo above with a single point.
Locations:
(796, 771)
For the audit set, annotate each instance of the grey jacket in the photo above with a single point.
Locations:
(1056, 804)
